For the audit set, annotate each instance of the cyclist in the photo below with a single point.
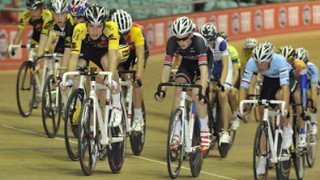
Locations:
(298, 75)
(34, 15)
(139, 54)
(76, 8)
(221, 72)
(233, 95)
(312, 71)
(98, 41)
(59, 28)
(275, 70)
(193, 69)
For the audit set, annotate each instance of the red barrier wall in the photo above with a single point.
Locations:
(238, 23)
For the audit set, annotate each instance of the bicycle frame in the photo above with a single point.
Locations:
(129, 97)
(273, 142)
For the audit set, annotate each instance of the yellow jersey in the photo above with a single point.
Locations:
(109, 39)
(135, 36)
(234, 55)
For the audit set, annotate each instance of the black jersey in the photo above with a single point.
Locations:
(197, 51)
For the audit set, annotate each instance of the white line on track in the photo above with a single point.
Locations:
(137, 157)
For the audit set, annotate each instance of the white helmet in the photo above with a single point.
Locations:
(250, 43)
(59, 6)
(209, 31)
(34, 4)
(269, 44)
(302, 54)
(262, 53)
(123, 19)
(181, 26)
(95, 14)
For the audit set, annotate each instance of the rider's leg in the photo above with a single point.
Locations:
(225, 110)
(301, 123)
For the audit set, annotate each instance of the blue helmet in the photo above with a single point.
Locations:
(77, 7)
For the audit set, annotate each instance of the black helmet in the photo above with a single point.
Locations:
(34, 4)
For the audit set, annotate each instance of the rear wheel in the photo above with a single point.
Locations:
(196, 157)
(26, 89)
(71, 120)
(137, 139)
(51, 107)
(87, 146)
(174, 155)
(311, 146)
(261, 150)
(116, 151)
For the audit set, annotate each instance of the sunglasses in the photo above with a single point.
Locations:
(182, 39)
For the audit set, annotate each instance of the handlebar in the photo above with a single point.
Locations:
(29, 46)
(54, 55)
(263, 102)
(179, 85)
(89, 73)
(133, 72)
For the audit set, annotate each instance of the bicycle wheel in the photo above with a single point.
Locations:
(224, 148)
(116, 151)
(51, 107)
(311, 146)
(25, 89)
(261, 149)
(256, 113)
(212, 129)
(71, 119)
(87, 146)
(196, 157)
(137, 139)
(174, 156)
(298, 153)
(283, 166)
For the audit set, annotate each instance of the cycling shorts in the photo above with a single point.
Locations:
(189, 69)
(270, 86)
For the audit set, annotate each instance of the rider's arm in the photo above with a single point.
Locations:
(225, 61)
(284, 81)
(314, 83)
(304, 89)
(246, 79)
(49, 41)
(177, 61)
(18, 36)
(79, 33)
(204, 78)
(165, 74)
(47, 27)
(140, 56)
(235, 73)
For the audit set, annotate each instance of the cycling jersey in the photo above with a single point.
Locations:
(300, 70)
(36, 23)
(63, 33)
(279, 68)
(234, 55)
(312, 71)
(195, 52)
(218, 50)
(136, 36)
(108, 40)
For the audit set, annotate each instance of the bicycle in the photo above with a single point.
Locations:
(189, 133)
(137, 139)
(95, 133)
(52, 106)
(29, 85)
(270, 148)
(300, 154)
(72, 112)
(215, 123)
(255, 96)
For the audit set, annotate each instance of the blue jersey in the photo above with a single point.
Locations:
(312, 71)
(279, 68)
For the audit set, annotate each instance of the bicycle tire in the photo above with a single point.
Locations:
(311, 147)
(282, 167)
(87, 146)
(213, 133)
(73, 106)
(196, 158)
(51, 112)
(174, 155)
(23, 80)
(116, 151)
(137, 139)
(257, 152)
(298, 156)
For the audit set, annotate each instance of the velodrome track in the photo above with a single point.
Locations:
(26, 153)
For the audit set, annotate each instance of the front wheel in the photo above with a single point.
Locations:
(175, 150)
(26, 89)
(196, 157)
(298, 153)
(87, 146)
(261, 153)
(51, 107)
(311, 147)
(71, 119)
(284, 164)
(137, 139)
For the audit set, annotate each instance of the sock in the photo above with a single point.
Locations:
(234, 114)
(302, 131)
(137, 113)
(116, 100)
(313, 117)
(204, 124)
